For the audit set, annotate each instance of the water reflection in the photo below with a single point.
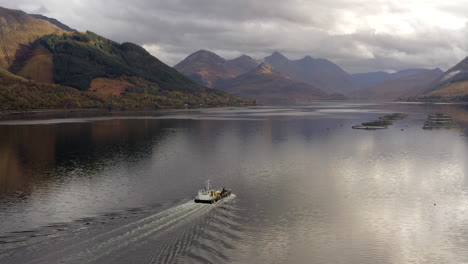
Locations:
(26, 156)
(309, 188)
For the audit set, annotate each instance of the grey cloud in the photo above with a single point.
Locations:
(239, 10)
(41, 10)
(172, 29)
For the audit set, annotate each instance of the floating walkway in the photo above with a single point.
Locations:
(370, 127)
(382, 123)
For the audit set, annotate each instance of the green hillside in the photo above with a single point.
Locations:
(106, 74)
(47, 65)
(81, 57)
(17, 93)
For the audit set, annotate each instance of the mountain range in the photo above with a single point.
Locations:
(46, 64)
(320, 73)
(267, 85)
(404, 86)
(324, 76)
(206, 68)
(275, 79)
(369, 79)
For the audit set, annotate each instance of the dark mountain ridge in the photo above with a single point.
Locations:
(206, 68)
(320, 73)
(54, 21)
(267, 85)
(458, 73)
(452, 86)
(368, 79)
(402, 87)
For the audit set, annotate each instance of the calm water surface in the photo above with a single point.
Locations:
(118, 188)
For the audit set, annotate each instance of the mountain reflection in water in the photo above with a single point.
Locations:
(118, 187)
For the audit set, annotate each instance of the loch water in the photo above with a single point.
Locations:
(113, 187)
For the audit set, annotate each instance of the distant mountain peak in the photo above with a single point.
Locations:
(307, 60)
(206, 68)
(277, 56)
(311, 60)
(206, 54)
(241, 64)
(320, 73)
(267, 85)
(243, 58)
(202, 51)
(201, 57)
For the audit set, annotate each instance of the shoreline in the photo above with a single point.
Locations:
(103, 110)
(162, 110)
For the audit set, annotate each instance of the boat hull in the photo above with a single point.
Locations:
(205, 201)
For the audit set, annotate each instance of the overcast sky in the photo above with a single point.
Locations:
(358, 35)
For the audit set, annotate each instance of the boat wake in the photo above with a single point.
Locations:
(205, 240)
(190, 231)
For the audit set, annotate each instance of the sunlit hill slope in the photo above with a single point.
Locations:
(111, 74)
(267, 85)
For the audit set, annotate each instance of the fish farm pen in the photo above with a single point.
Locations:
(440, 121)
(382, 123)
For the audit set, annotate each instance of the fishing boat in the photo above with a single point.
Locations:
(210, 195)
